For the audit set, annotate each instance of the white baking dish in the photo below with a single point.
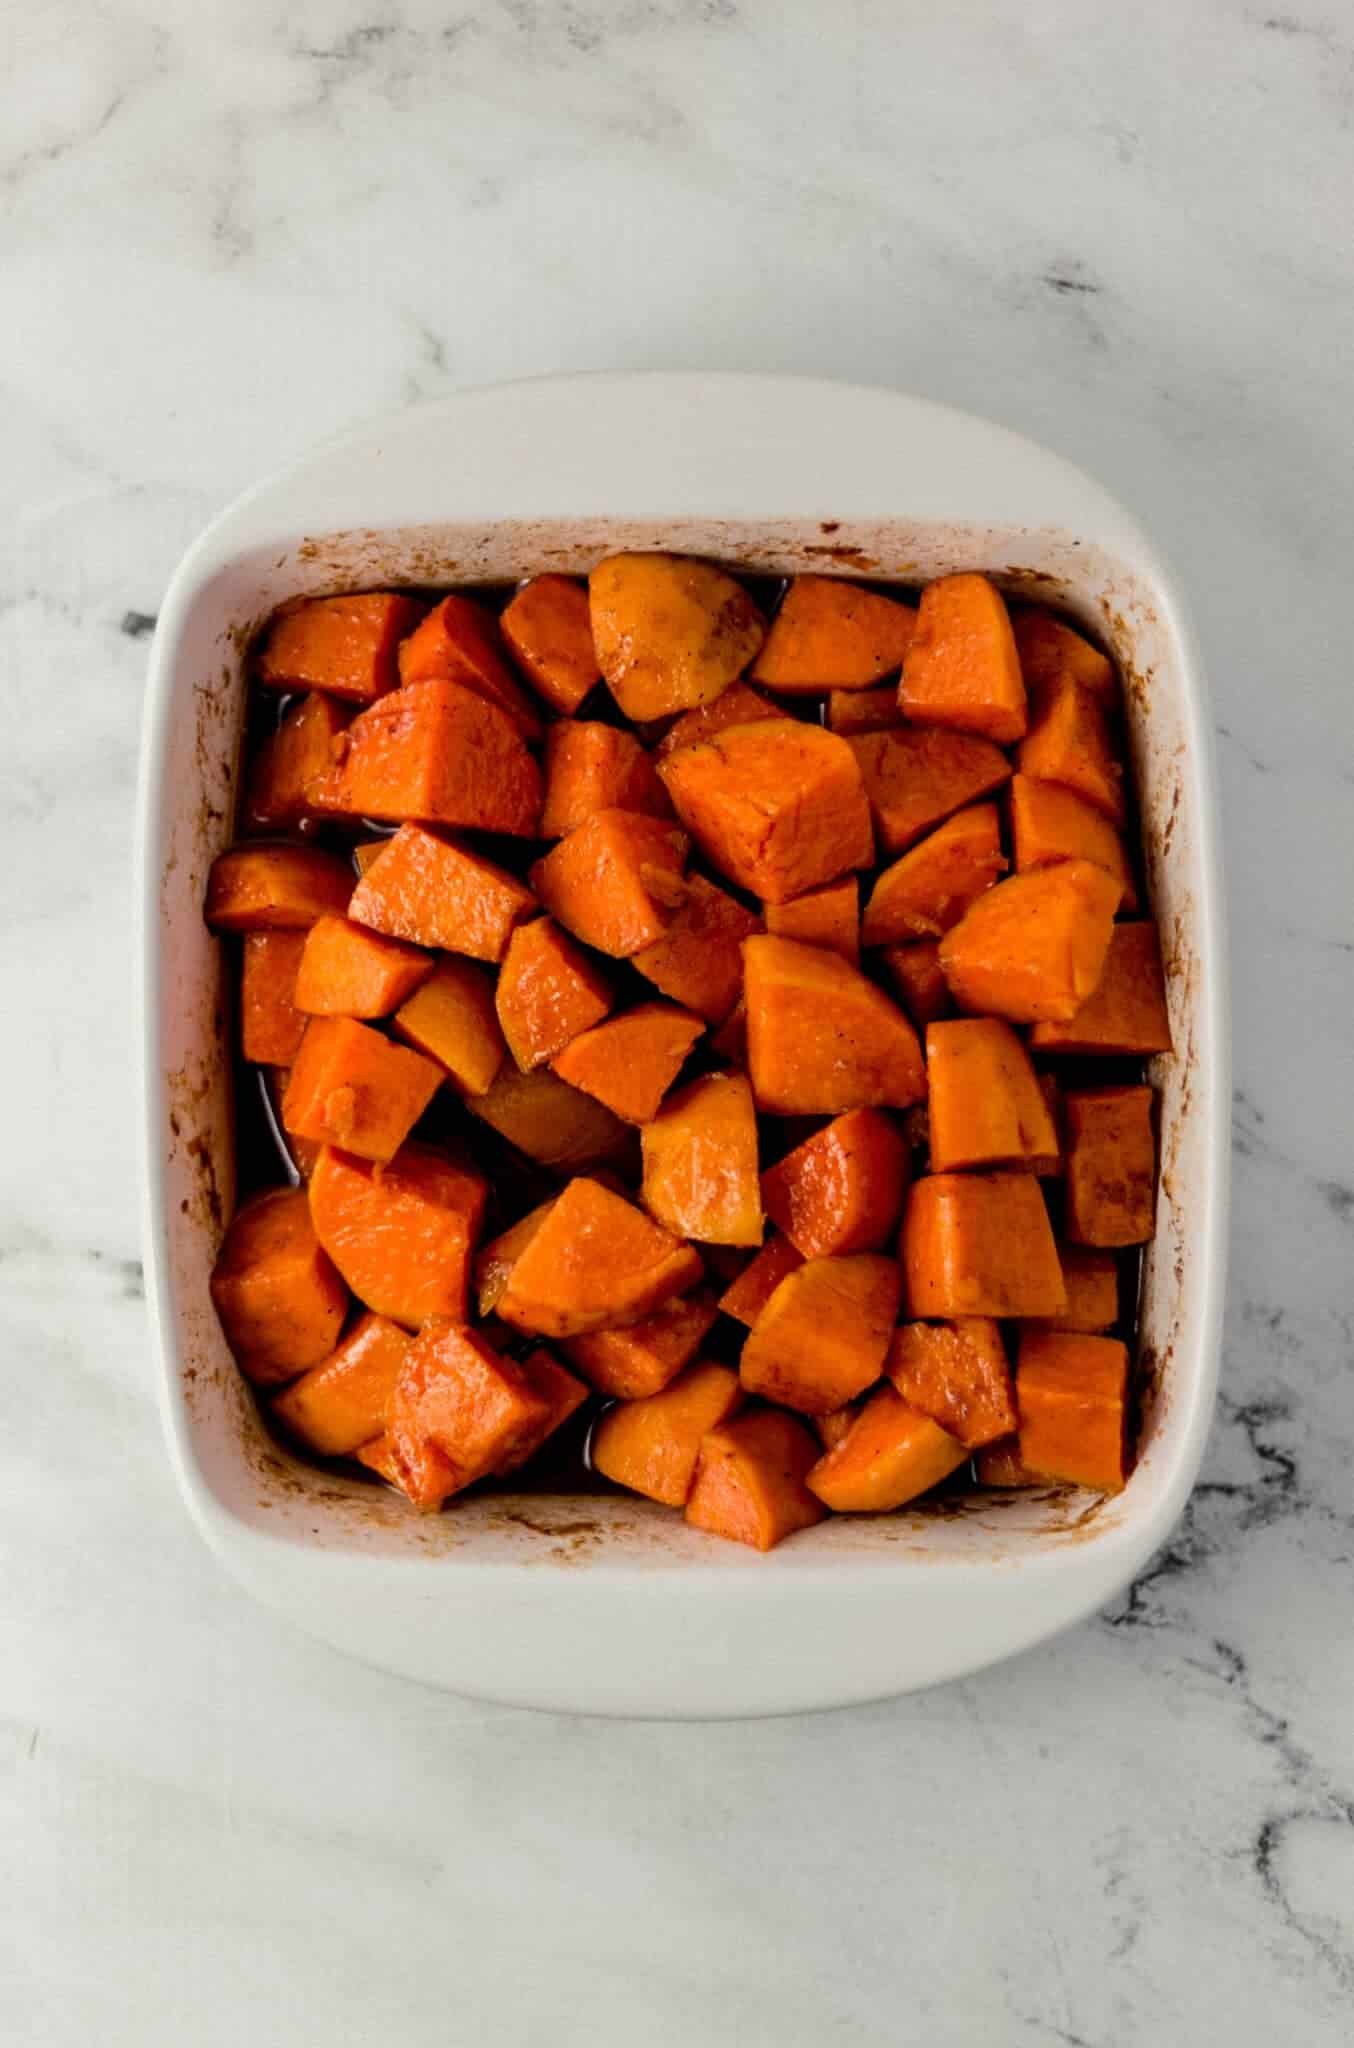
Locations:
(612, 1605)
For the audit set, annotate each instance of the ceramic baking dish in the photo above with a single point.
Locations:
(604, 1604)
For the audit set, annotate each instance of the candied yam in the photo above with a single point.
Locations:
(345, 645)
(891, 1454)
(452, 1019)
(562, 1395)
(496, 1260)
(347, 971)
(1050, 823)
(920, 775)
(833, 634)
(730, 1042)
(962, 669)
(434, 892)
(823, 1336)
(916, 973)
(459, 642)
(986, 1105)
(1034, 947)
(999, 1465)
(548, 992)
(628, 1364)
(615, 881)
(402, 1234)
(418, 1469)
(745, 1297)
(595, 1262)
(1049, 649)
(366, 853)
(549, 632)
(777, 806)
(1091, 1278)
(290, 760)
(440, 755)
(842, 1189)
(749, 1480)
(979, 1244)
(836, 1424)
(700, 1163)
(590, 768)
(930, 888)
(472, 1404)
(1069, 742)
(958, 1374)
(350, 1086)
(1126, 1011)
(669, 632)
(1111, 1166)
(829, 917)
(630, 1062)
(850, 712)
(341, 1404)
(651, 1445)
(279, 1299)
(271, 1026)
(821, 1038)
(275, 888)
(698, 961)
(1073, 1397)
(550, 1122)
(738, 705)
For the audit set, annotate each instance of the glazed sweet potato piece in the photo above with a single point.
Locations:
(749, 1481)
(458, 1393)
(630, 1062)
(986, 1105)
(416, 1468)
(1049, 649)
(279, 1299)
(548, 991)
(823, 1336)
(436, 753)
(1091, 1278)
(629, 1364)
(651, 1445)
(366, 853)
(345, 645)
(341, 1403)
(700, 1163)
(1069, 742)
(829, 917)
(890, 1455)
(549, 632)
(698, 961)
(842, 1189)
(856, 711)
(495, 1261)
(777, 806)
(730, 1042)
(738, 705)
(832, 1428)
(275, 888)
(1035, 946)
(1050, 823)
(821, 1038)
(830, 634)
(350, 1086)
(434, 892)
(1111, 1166)
(1126, 1011)
(562, 1395)
(348, 971)
(596, 1262)
(956, 1373)
(962, 669)
(271, 1026)
(670, 632)
(550, 1122)
(590, 768)
(452, 1019)
(916, 973)
(1073, 1396)
(299, 753)
(1000, 1465)
(920, 775)
(929, 889)
(402, 1235)
(979, 1244)
(459, 642)
(615, 881)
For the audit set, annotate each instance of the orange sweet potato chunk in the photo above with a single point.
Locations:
(459, 642)
(275, 888)
(437, 753)
(341, 1403)
(1111, 1166)
(279, 1299)
(345, 645)
(738, 705)
(833, 1427)
(979, 1244)
(1069, 742)
(920, 775)
(698, 961)
(829, 917)
(562, 1395)
(700, 1163)
(452, 1019)
(1049, 649)
(350, 1086)
(842, 1189)
(670, 632)
(958, 1374)
(962, 669)
(548, 992)
(821, 1038)
(434, 892)
(631, 1363)
(271, 1026)
(1091, 1278)
(1073, 1396)
(823, 1336)
(548, 629)
(749, 1481)
(986, 1105)
(550, 1122)
(630, 1062)
(596, 1262)
(615, 881)
(472, 1404)
(916, 973)
(830, 634)
(651, 1445)
(1126, 1012)
(591, 767)
(890, 1455)
(1000, 1465)
(416, 1467)
(1050, 823)
(850, 712)
(347, 971)
(402, 1235)
(777, 806)
(495, 1261)
(290, 760)
(929, 889)
(1035, 946)
(746, 1296)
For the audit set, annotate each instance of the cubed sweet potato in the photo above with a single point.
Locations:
(958, 1374)
(630, 1062)
(928, 890)
(830, 634)
(549, 632)
(348, 971)
(271, 1026)
(280, 1301)
(856, 711)
(1111, 1165)
(561, 1393)
(749, 1480)
(350, 1086)
(670, 632)
(730, 1042)
(495, 1260)
(962, 669)
(1126, 1011)
(275, 888)
(459, 642)
(701, 1176)
(832, 1428)
(452, 1019)
(916, 973)
(299, 753)
(891, 1454)
(415, 1467)
(341, 1403)
(698, 961)
(595, 1263)
(1091, 1278)
(434, 892)
(629, 1363)
(436, 753)
(746, 1296)
(842, 1189)
(986, 1105)
(1073, 1397)
(615, 881)
(979, 1244)
(920, 775)
(821, 1038)
(1035, 946)
(738, 705)
(345, 645)
(591, 767)
(651, 1445)
(548, 992)
(829, 916)
(1049, 648)
(366, 853)
(471, 1403)
(1050, 823)
(823, 1336)
(403, 1234)
(550, 1122)
(1069, 742)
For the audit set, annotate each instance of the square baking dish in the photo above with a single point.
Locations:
(600, 1603)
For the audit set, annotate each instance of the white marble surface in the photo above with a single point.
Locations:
(227, 229)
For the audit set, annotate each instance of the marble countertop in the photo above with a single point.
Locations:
(229, 231)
